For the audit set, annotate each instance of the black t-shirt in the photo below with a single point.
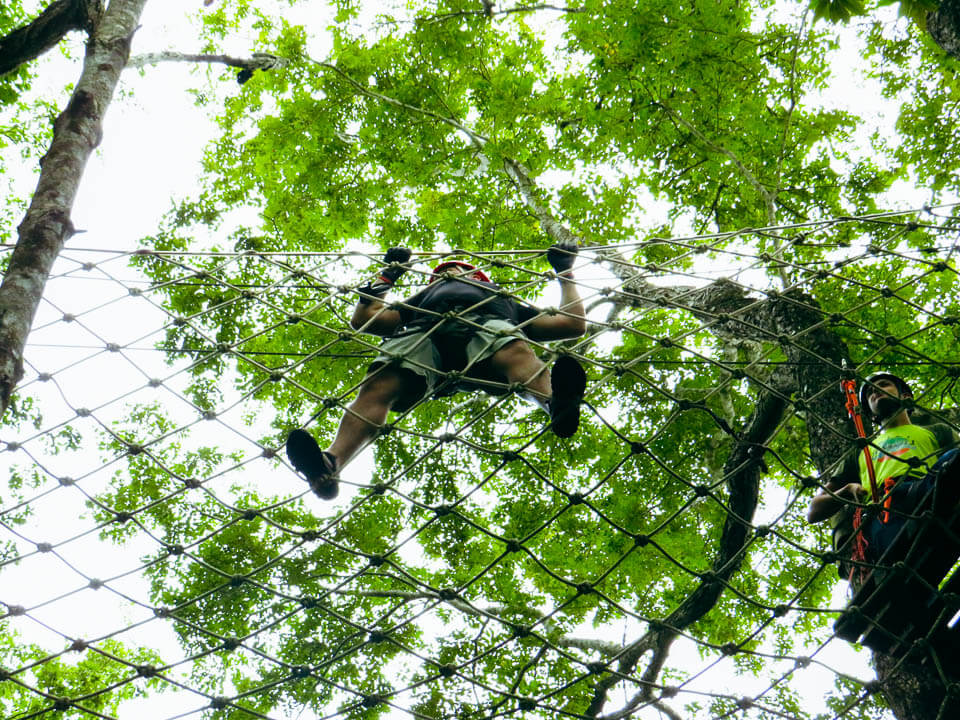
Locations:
(455, 294)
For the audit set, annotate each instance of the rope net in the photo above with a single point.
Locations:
(160, 558)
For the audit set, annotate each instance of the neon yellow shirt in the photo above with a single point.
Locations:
(892, 449)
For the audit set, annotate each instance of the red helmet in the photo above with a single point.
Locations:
(450, 264)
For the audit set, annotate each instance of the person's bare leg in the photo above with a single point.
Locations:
(366, 415)
(517, 363)
(358, 426)
(559, 394)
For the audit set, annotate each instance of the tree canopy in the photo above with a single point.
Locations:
(742, 234)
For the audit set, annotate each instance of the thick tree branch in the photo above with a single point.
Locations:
(528, 190)
(257, 61)
(46, 30)
(47, 226)
(791, 319)
(914, 692)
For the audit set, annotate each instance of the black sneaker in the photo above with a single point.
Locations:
(567, 383)
(318, 465)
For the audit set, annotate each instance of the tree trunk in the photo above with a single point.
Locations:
(944, 27)
(914, 692)
(46, 226)
(30, 41)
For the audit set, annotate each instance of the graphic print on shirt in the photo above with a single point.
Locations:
(893, 448)
(900, 451)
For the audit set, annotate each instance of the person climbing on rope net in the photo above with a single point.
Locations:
(903, 468)
(460, 333)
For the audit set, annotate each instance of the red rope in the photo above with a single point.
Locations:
(853, 410)
(859, 553)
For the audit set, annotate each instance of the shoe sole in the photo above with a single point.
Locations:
(307, 458)
(568, 382)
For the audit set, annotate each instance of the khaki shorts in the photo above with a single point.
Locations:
(453, 346)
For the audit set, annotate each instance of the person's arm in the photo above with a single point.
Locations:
(839, 492)
(571, 321)
(370, 314)
(827, 504)
(375, 318)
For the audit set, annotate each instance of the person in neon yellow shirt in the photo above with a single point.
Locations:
(909, 462)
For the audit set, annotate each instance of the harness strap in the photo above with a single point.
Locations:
(860, 545)
(888, 500)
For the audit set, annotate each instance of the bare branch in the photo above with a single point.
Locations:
(488, 10)
(478, 140)
(667, 710)
(257, 61)
(636, 701)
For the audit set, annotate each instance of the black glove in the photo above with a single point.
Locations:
(377, 289)
(388, 276)
(394, 255)
(561, 256)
